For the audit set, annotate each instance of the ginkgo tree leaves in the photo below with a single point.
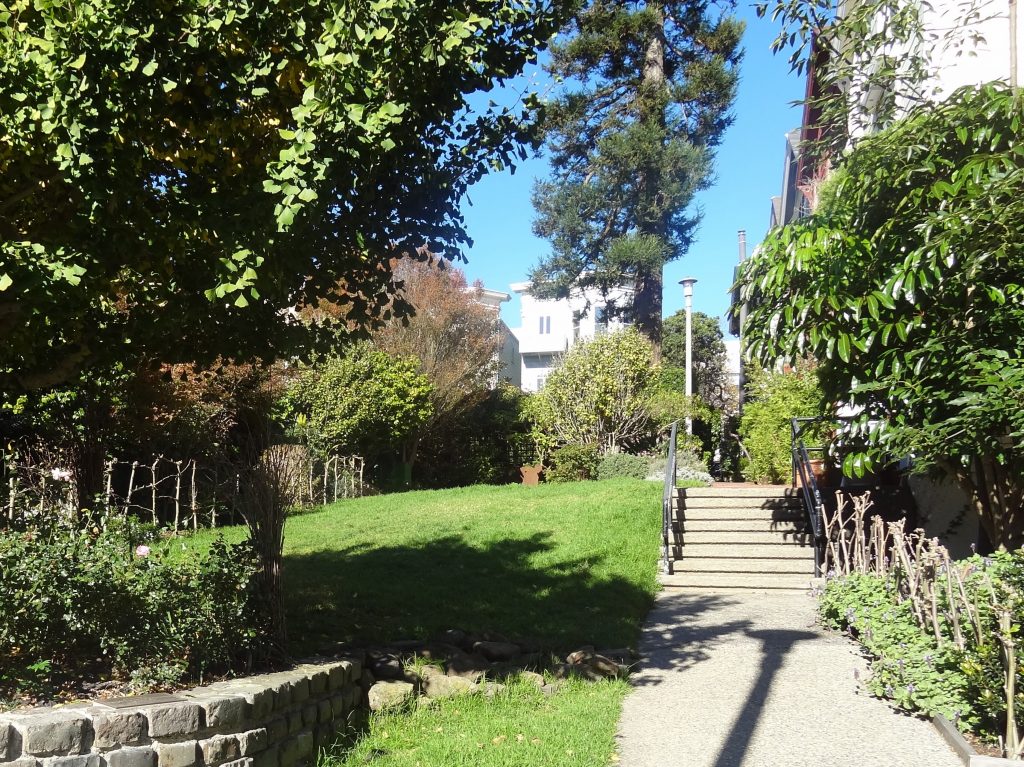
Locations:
(204, 167)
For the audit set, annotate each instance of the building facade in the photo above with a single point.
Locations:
(549, 328)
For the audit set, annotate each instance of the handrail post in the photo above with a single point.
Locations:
(666, 499)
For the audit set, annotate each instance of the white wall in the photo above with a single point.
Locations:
(549, 327)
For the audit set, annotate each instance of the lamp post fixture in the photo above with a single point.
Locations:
(687, 283)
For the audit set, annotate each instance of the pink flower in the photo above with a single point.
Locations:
(142, 551)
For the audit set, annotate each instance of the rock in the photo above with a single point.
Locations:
(532, 676)
(550, 689)
(252, 741)
(388, 694)
(219, 748)
(366, 681)
(427, 672)
(6, 742)
(582, 653)
(447, 686)
(295, 750)
(119, 728)
(54, 733)
(385, 665)
(172, 719)
(621, 655)
(183, 754)
(439, 651)
(469, 666)
(131, 757)
(592, 666)
(490, 689)
(454, 637)
(407, 645)
(497, 651)
(83, 760)
(222, 710)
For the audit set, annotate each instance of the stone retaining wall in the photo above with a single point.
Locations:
(270, 720)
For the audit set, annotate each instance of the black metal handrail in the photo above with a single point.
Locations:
(666, 500)
(813, 504)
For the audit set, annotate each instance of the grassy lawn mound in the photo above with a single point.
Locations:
(557, 566)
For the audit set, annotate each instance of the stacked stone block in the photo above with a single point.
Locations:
(270, 720)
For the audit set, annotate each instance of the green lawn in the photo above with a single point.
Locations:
(559, 564)
(562, 565)
(521, 726)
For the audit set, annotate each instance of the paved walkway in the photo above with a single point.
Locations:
(750, 681)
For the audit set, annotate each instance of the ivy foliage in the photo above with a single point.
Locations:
(906, 286)
(201, 165)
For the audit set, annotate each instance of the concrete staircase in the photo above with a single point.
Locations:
(740, 539)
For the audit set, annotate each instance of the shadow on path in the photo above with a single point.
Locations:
(677, 638)
(775, 644)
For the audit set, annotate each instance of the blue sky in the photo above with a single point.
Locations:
(748, 168)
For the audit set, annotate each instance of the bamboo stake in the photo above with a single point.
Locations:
(152, 471)
(195, 505)
(177, 497)
(131, 485)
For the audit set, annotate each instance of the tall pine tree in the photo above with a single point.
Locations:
(647, 97)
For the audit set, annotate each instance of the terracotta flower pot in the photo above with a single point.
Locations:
(530, 475)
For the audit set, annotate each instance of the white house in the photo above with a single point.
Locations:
(549, 327)
(508, 354)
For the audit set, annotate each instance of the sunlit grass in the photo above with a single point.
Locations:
(518, 727)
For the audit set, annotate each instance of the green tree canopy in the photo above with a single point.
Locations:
(709, 363)
(173, 179)
(906, 285)
(648, 90)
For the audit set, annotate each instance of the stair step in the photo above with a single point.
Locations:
(720, 525)
(804, 565)
(742, 491)
(744, 537)
(764, 504)
(763, 516)
(746, 551)
(739, 582)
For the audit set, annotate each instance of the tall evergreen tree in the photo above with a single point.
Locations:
(649, 86)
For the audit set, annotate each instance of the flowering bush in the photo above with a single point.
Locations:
(91, 598)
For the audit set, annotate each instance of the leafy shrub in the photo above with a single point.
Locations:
(765, 427)
(573, 463)
(91, 599)
(690, 477)
(366, 402)
(909, 667)
(622, 465)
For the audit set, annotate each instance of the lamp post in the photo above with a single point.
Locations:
(687, 283)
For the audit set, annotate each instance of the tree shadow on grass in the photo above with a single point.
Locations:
(364, 594)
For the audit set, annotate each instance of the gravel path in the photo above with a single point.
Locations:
(750, 681)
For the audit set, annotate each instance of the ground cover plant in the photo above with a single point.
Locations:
(88, 599)
(942, 634)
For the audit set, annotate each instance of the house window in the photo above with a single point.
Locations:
(545, 325)
(601, 320)
(540, 381)
(575, 328)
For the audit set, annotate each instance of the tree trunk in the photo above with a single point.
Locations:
(652, 214)
(997, 492)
